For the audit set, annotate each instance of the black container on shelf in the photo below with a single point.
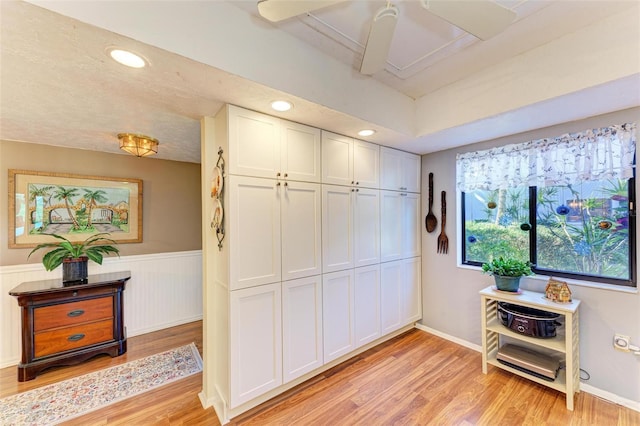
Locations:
(528, 321)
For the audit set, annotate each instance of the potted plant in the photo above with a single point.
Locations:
(507, 272)
(73, 256)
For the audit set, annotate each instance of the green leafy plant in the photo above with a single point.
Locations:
(507, 267)
(95, 248)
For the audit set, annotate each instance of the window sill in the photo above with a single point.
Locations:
(574, 282)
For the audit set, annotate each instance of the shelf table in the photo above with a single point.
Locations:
(565, 343)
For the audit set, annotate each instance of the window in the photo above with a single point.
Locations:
(564, 204)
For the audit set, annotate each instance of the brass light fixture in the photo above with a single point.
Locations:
(138, 145)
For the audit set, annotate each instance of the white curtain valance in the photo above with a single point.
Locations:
(596, 154)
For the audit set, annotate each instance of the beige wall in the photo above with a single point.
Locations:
(171, 194)
(450, 300)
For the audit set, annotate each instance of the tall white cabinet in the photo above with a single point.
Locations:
(318, 257)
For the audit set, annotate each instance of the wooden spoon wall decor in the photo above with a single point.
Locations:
(430, 221)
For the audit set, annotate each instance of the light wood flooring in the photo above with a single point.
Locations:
(414, 379)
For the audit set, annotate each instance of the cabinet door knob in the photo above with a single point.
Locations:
(75, 313)
(285, 175)
(75, 337)
(357, 183)
(278, 184)
(286, 183)
(278, 174)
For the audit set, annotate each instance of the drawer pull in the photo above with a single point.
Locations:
(75, 337)
(75, 313)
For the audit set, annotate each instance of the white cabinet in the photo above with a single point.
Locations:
(367, 304)
(253, 215)
(338, 319)
(296, 282)
(390, 296)
(302, 344)
(300, 157)
(411, 290)
(366, 226)
(399, 225)
(350, 227)
(255, 341)
(399, 170)
(274, 230)
(346, 161)
(337, 228)
(366, 164)
(265, 146)
(301, 210)
(565, 346)
(400, 288)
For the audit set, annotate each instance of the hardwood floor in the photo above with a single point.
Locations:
(414, 379)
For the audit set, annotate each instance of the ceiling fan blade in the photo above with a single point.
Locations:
(482, 18)
(379, 41)
(279, 10)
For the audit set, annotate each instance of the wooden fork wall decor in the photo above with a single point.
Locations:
(443, 240)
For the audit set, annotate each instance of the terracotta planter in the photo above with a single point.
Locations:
(75, 269)
(507, 283)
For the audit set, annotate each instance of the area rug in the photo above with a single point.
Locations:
(52, 404)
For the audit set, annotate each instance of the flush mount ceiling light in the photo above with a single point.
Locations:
(127, 58)
(138, 145)
(366, 132)
(281, 106)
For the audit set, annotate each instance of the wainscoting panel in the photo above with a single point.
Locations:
(165, 289)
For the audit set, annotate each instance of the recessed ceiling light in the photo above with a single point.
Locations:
(127, 58)
(281, 106)
(366, 132)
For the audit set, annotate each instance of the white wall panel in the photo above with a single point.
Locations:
(165, 290)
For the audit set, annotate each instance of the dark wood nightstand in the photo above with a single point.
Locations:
(68, 324)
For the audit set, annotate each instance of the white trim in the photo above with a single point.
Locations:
(450, 338)
(611, 397)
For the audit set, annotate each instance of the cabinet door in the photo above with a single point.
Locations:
(253, 215)
(255, 342)
(301, 326)
(391, 302)
(391, 174)
(391, 225)
(411, 290)
(366, 226)
(411, 244)
(411, 172)
(367, 304)
(337, 159)
(300, 152)
(366, 164)
(337, 228)
(338, 320)
(254, 143)
(301, 223)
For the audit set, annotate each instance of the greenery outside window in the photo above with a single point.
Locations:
(564, 204)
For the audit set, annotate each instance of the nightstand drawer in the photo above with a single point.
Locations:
(64, 339)
(72, 313)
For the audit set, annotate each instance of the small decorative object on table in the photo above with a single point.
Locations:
(507, 272)
(74, 256)
(557, 291)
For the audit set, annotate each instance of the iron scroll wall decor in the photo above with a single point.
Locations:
(217, 189)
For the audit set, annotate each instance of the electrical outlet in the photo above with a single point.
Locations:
(621, 342)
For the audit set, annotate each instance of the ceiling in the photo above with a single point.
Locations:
(59, 87)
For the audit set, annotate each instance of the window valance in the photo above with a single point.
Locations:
(596, 154)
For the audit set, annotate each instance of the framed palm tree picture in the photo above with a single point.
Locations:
(74, 206)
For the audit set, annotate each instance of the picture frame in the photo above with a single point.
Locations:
(73, 206)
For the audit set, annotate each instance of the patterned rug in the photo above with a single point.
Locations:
(71, 398)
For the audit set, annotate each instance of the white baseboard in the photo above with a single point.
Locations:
(607, 396)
